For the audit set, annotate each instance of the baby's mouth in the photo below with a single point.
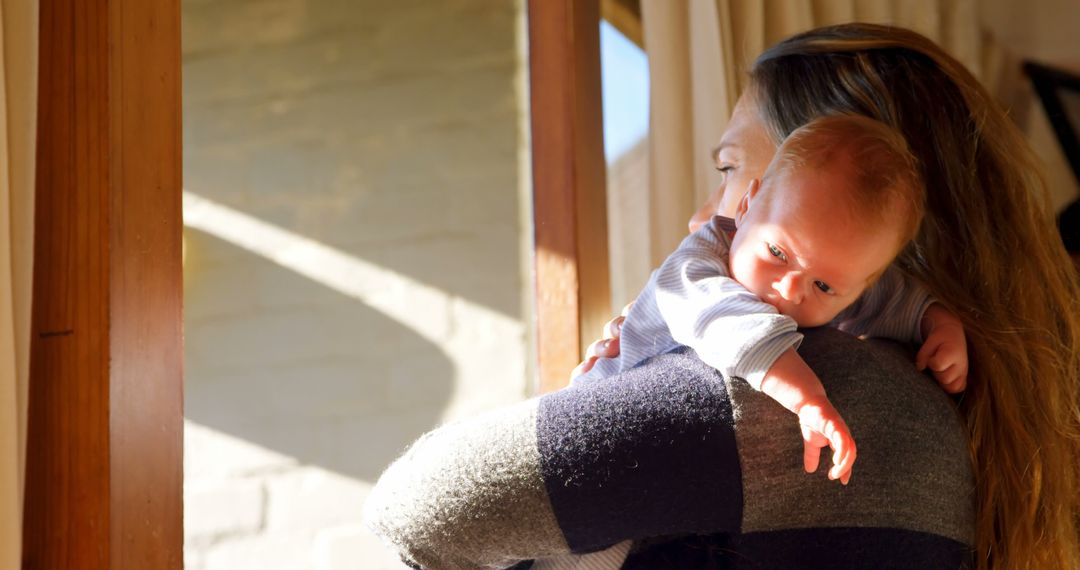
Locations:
(779, 304)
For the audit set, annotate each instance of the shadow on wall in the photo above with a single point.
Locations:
(288, 364)
(384, 135)
(388, 130)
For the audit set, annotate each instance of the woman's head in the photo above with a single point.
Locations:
(742, 156)
(987, 249)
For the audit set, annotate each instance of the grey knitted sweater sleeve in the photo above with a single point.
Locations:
(671, 448)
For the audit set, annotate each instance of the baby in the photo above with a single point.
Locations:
(811, 244)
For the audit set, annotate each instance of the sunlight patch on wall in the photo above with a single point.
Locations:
(463, 329)
(214, 454)
(397, 296)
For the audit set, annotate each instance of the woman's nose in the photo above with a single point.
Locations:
(790, 287)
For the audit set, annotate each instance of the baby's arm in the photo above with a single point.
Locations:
(791, 383)
(741, 336)
(898, 308)
(729, 327)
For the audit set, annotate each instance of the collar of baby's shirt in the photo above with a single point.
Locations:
(724, 223)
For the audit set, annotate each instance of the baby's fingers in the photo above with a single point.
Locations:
(613, 328)
(953, 379)
(929, 348)
(603, 348)
(955, 386)
(812, 444)
(950, 369)
(843, 456)
(585, 366)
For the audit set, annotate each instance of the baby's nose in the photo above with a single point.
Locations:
(790, 287)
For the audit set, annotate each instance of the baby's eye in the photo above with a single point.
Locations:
(776, 252)
(823, 286)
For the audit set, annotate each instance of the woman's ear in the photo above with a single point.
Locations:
(744, 202)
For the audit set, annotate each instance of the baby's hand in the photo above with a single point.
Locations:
(790, 382)
(945, 349)
(822, 426)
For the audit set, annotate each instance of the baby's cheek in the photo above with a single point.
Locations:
(818, 317)
(739, 271)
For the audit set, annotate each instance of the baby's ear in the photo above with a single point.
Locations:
(744, 202)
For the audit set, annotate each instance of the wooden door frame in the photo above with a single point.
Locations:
(104, 474)
(573, 298)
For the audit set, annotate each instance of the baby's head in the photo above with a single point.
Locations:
(836, 205)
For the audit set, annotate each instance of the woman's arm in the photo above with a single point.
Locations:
(567, 472)
(670, 448)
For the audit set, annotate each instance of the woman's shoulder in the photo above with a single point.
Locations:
(911, 497)
(697, 445)
(913, 471)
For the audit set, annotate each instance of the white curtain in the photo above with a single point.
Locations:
(699, 51)
(18, 104)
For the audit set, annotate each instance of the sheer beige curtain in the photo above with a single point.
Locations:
(699, 51)
(18, 104)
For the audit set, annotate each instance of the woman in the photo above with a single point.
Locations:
(987, 250)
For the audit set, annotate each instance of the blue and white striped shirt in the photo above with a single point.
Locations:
(692, 300)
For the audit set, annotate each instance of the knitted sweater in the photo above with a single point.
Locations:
(672, 449)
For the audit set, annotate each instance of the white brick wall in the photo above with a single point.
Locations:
(224, 508)
(340, 548)
(390, 133)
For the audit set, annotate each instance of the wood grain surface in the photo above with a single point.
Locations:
(569, 188)
(104, 455)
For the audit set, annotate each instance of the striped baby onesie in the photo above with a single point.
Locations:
(691, 300)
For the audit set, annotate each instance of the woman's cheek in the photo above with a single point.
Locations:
(709, 209)
(727, 199)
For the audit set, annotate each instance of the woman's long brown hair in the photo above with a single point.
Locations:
(987, 249)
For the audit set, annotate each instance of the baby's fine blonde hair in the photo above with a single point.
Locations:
(883, 184)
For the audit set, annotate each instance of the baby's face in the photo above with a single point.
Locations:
(807, 256)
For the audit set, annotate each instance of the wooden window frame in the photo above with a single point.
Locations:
(573, 298)
(104, 470)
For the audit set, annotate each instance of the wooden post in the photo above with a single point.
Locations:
(569, 203)
(104, 474)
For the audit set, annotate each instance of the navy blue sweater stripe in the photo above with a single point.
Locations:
(619, 462)
(810, 548)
